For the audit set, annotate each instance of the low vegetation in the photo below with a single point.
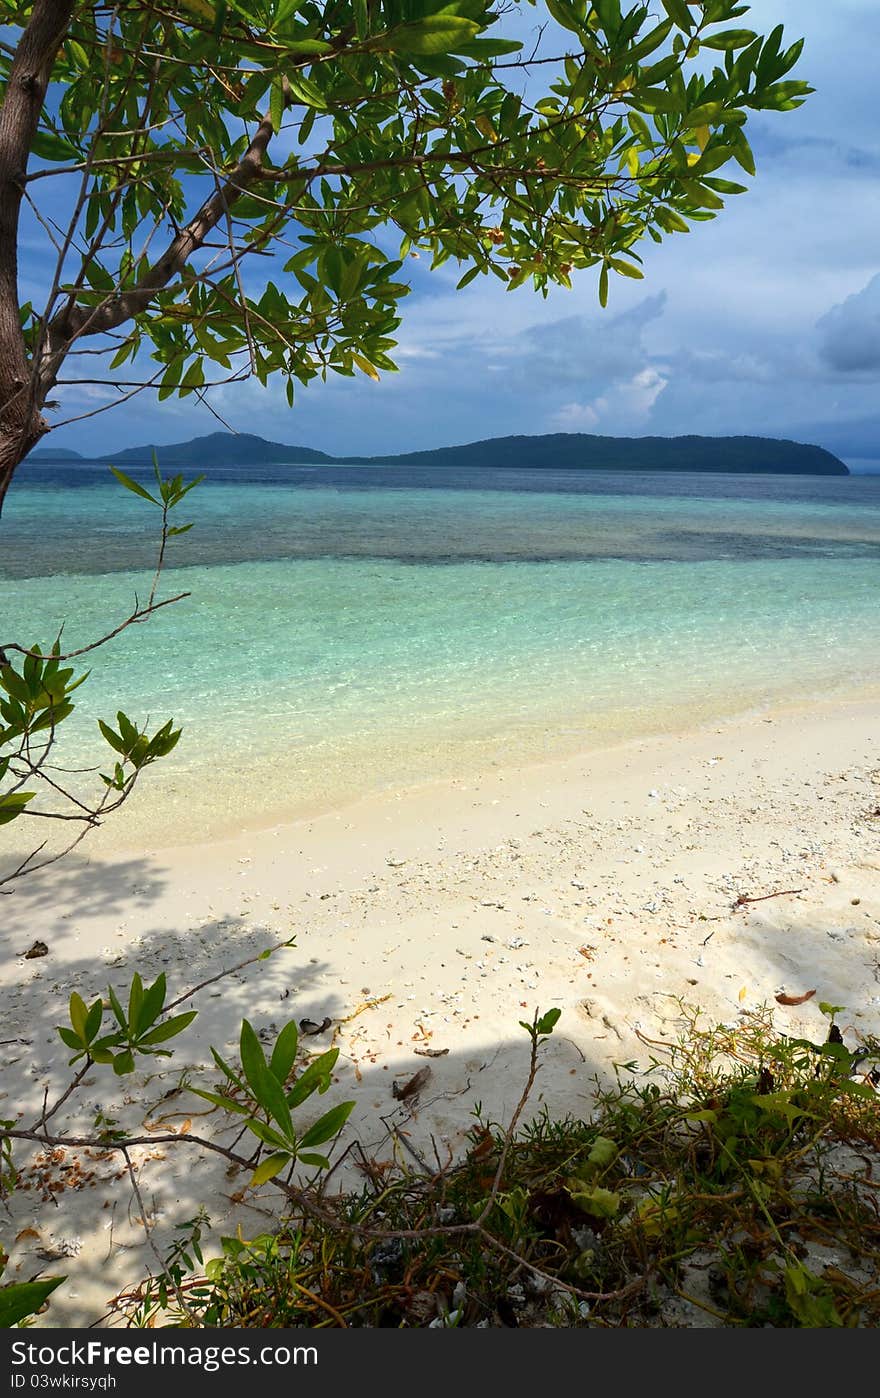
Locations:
(730, 1182)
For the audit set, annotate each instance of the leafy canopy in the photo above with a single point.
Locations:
(243, 181)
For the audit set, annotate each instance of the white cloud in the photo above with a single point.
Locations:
(623, 408)
(575, 417)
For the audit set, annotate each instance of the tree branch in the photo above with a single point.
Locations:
(75, 321)
(21, 423)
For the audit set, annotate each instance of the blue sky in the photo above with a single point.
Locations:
(765, 321)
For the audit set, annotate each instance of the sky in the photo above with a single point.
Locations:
(765, 321)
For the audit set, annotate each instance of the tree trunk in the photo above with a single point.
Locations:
(15, 443)
(21, 420)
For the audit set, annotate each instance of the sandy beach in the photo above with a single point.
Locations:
(610, 885)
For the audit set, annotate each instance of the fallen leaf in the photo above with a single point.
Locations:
(409, 1089)
(483, 1147)
(26, 1233)
(430, 1053)
(743, 993)
(795, 999)
(165, 1123)
(38, 949)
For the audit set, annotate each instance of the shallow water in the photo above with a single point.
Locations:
(356, 628)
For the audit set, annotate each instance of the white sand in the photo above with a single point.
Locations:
(603, 884)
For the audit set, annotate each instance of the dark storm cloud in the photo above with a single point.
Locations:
(855, 438)
(850, 333)
(581, 348)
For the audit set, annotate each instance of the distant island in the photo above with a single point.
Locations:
(217, 449)
(557, 450)
(584, 451)
(56, 454)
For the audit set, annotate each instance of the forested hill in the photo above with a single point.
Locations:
(559, 451)
(584, 451)
(217, 449)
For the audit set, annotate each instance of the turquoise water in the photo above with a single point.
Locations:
(347, 634)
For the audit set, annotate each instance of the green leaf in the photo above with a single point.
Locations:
(315, 1078)
(54, 715)
(307, 48)
(603, 1153)
(265, 1086)
(858, 1089)
(135, 1002)
(193, 378)
(153, 1001)
(46, 145)
(468, 277)
(307, 92)
(547, 1023)
(23, 1299)
(729, 39)
(93, 1022)
(268, 1168)
(779, 1104)
(565, 14)
(810, 1298)
(679, 13)
(651, 41)
(704, 115)
(742, 153)
(489, 48)
(712, 159)
(284, 1052)
(276, 105)
(78, 1014)
(226, 1070)
(127, 729)
(365, 366)
(117, 1008)
(133, 486)
(112, 737)
(625, 269)
(11, 806)
(597, 1202)
(167, 1030)
(253, 1060)
(268, 1134)
(433, 34)
(320, 1160)
(653, 99)
(327, 1126)
(228, 1104)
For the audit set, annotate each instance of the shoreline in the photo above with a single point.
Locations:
(439, 917)
(506, 771)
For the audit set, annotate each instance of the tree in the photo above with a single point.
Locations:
(231, 187)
